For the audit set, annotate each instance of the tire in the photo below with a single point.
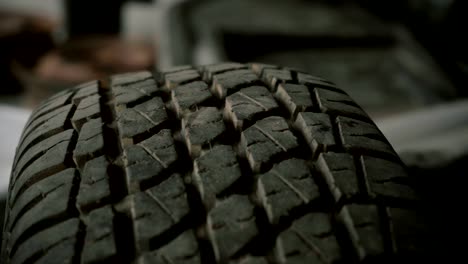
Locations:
(222, 163)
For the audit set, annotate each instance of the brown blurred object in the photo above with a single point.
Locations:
(83, 60)
(23, 40)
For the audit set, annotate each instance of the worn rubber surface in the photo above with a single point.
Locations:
(222, 163)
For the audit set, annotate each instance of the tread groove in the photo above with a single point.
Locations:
(197, 209)
(117, 183)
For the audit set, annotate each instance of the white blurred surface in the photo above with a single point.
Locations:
(12, 121)
(50, 8)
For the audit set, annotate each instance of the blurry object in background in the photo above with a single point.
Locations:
(377, 62)
(10, 134)
(438, 26)
(89, 17)
(23, 40)
(83, 60)
(441, 131)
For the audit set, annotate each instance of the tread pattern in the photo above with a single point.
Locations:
(225, 163)
(310, 239)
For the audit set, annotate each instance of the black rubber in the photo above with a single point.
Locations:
(222, 163)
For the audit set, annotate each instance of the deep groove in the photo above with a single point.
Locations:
(74, 212)
(385, 226)
(294, 76)
(363, 183)
(151, 132)
(124, 238)
(198, 213)
(344, 239)
(336, 130)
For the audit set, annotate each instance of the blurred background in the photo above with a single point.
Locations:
(404, 62)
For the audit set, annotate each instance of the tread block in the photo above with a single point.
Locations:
(149, 158)
(131, 88)
(201, 128)
(250, 260)
(156, 210)
(285, 187)
(276, 76)
(57, 241)
(332, 102)
(51, 162)
(227, 83)
(88, 108)
(36, 123)
(410, 233)
(231, 226)
(177, 69)
(310, 239)
(340, 174)
(99, 242)
(216, 170)
(39, 149)
(128, 79)
(94, 185)
(317, 130)
(259, 67)
(315, 81)
(387, 179)
(90, 142)
(267, 138)
(296, 98)
(243, 106)
(358, 136)
(210, 70)
(364, 226)
(51, 105)
(85, 90)
(60, 254)
(141, 118)
(175, 78)
(42, 211)
(183, 249)
(189, 96)
(38, 192)
(51, 127)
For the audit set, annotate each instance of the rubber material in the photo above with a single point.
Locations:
(222, 163)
